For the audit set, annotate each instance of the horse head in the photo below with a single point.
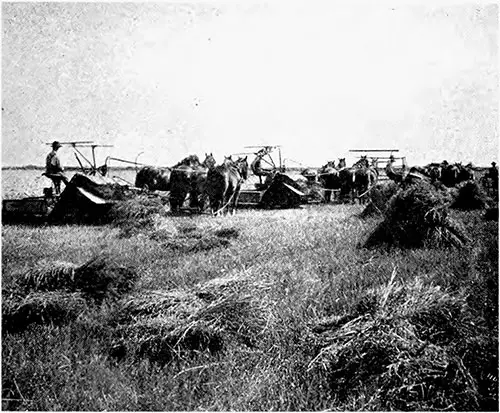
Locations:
(325, 167)
(342, 163)
(242, 166)
(362, 163)
(209, 161)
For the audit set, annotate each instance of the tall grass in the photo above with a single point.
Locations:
(313, 271)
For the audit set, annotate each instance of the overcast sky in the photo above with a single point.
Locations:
(319, 78)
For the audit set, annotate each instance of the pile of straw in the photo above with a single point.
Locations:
(97, 279)
(165, 325)
(415, 348)
(102, 277)
(54, 307)
(418, 217)
(470, 196)
(49, 276)
(58, 292)
(379, 197)
(136, 214)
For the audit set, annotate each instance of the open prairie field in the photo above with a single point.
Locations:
(264, 310)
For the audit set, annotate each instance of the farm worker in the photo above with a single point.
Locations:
(256, 165)
(493, 172)
(54, 169)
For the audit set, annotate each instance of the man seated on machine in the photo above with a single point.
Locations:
(54, 169)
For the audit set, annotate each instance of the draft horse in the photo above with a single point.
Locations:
(224, 183)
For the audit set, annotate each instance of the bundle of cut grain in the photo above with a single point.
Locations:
(161, 325)
(19, 311)
(99, 278)
(156, 303)
(137, 213)
(379, 197)
(417, 217)
(418, 349)
(470, 196)
(49, 276)
(102, 277)
(161, 339)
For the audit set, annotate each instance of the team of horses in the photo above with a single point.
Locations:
(448, 174)
(198, 182)
(357, 180)
(218, 186)
(352, 182)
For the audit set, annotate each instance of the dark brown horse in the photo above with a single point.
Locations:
(158, 179)
(433, 171)
(465, 173)
(453, 174)
(189, 177)
(365, 178)
(224, 183)
(153, 178)
(329, 177)
(356, 181)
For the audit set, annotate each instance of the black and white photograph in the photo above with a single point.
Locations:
(250, 205)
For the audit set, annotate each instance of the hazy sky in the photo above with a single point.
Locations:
(319, 78)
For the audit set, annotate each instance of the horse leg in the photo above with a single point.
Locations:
(328, 196)
(235, 201)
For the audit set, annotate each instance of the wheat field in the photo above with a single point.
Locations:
(246, 312)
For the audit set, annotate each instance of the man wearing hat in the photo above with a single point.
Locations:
(54, 169)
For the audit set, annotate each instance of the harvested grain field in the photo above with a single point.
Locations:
(264, 310)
